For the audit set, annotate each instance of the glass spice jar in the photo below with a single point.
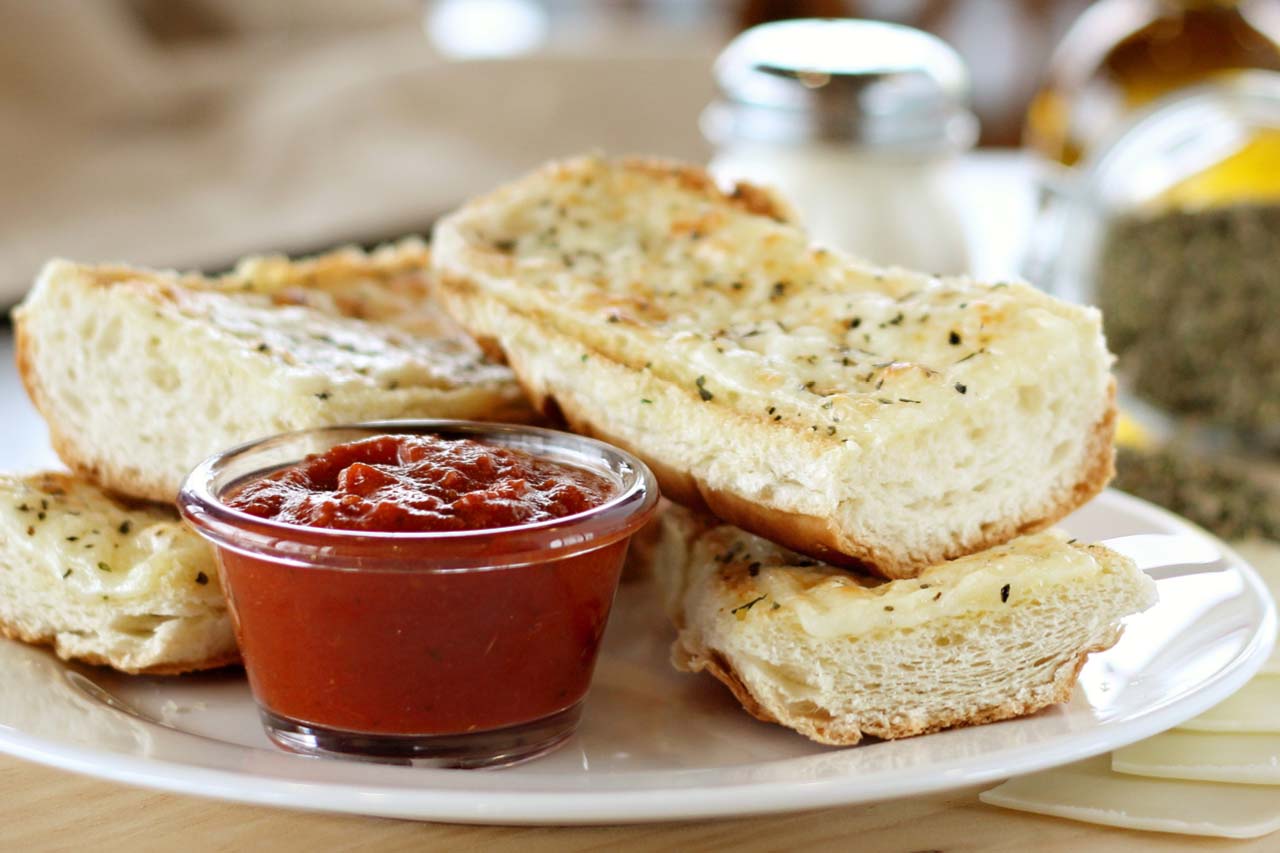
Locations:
(1173, 229)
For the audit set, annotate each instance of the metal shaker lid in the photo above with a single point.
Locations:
(842, 80)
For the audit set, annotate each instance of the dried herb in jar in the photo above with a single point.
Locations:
(1191, 301)
(1230, 496)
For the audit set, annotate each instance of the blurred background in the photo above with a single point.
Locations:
(188, 132)
(1124, 153)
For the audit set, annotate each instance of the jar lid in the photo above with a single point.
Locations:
(845, 80)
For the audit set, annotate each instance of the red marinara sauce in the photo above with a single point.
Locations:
(420, 484)
(421, 649)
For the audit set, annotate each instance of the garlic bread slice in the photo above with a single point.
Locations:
(107, 582)
(839, 656)
(865, 416)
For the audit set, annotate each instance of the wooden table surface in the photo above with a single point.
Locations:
(43, 808)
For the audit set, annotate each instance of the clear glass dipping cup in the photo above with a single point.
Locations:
(445, 649)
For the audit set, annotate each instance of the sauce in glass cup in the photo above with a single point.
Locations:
(429, 591)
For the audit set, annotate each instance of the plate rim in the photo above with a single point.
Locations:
(653, 804)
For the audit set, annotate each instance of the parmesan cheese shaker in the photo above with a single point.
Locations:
(857, 123)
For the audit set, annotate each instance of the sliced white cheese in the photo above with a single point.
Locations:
(1206, 756)
(1089, 791)
(1253, 708)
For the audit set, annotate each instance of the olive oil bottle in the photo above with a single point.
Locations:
(1122, 54)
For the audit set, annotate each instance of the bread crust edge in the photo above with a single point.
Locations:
(698, 658)
(179, 667)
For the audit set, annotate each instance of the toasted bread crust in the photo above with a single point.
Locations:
(751, 198)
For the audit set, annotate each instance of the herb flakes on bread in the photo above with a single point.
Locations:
(865, 416)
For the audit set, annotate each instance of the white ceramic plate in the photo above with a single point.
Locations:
(656, 744)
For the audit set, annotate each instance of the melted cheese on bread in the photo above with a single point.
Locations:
(89, 546)
(196, 365)
(831, 602)
(743, 311)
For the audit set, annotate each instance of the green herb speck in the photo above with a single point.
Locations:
(750, 604)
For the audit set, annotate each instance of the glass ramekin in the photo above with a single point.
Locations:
(446, 649)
